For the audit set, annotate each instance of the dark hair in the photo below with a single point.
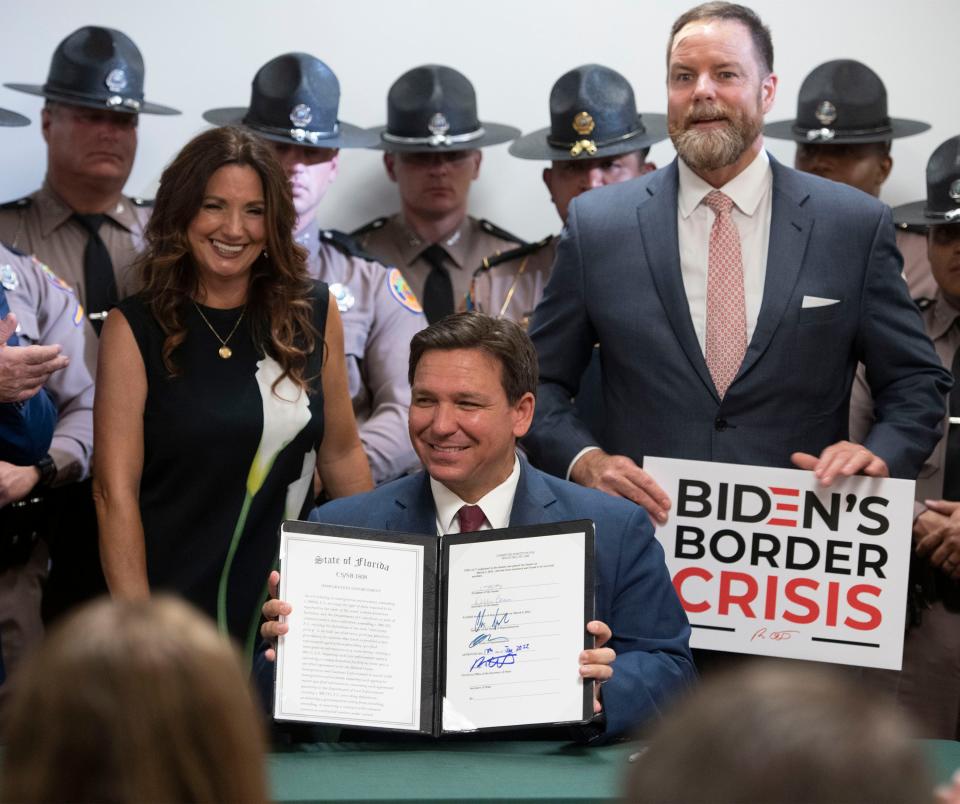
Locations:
(764, 732)
(134, 701)
(760, 33)
(278, 300)
(498, 337)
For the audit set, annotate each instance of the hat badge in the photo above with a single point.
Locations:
(826, 113)
(955, 190)
(301, 115)
(116, 80)
(438, 125)
(583, 124)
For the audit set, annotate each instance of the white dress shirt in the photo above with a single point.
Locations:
(752, 193)
(495, 504)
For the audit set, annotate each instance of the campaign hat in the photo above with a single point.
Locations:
(843, 102)
(295, 98)
(593, 114)
(942, 204)
(99, 68)
(433, 108)
(8, 118)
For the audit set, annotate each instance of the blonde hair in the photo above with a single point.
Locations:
(134, 701)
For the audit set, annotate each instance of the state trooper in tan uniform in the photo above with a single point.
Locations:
(595, 138)
(47, 314)
(928, 686)
(293, 105)
(81, 222)
(432, 143)
(843, 133)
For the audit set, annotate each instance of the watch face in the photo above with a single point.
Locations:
(47, 469)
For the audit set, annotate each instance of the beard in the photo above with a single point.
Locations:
(715, 148)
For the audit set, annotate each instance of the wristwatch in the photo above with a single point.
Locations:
(47, 469)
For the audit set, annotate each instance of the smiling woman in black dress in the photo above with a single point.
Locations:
(221, 386)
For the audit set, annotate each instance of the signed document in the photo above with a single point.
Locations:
(464, 632)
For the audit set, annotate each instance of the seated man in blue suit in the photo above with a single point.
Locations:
(732, 299)
(474, 380)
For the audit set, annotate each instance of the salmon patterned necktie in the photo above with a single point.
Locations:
(726, 305)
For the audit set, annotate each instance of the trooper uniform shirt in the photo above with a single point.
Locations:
(42, 224)
(380, 315)
(513, 286)
(392, 242)
(48, 312)
(916, 266)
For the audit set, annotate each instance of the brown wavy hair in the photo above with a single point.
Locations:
(279, 306)
(134, 701)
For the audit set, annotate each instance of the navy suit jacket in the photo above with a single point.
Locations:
(634, 595)
(617, 281)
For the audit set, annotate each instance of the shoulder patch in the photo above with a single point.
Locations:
(503, 234)
(512, 254)
(376, 223)
(62, 286)
(137, 201)
(402, 292)
(346, 244)
(20, 203)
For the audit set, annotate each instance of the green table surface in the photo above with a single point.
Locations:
(478, 772)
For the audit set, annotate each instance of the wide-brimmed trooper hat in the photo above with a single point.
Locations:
(99, 68)
(295, 99)
(843, 102)
(942, 204)
(433, 108)
(8, 118)
(593, 114)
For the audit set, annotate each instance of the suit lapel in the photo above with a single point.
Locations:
(533, 498)
(790, 226)
(657, 216)
(413, 510)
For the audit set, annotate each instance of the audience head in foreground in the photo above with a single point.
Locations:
(134, 701)
(772, 733)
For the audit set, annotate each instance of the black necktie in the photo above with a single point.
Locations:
(98, 278)
(437, 290)
(951, 474)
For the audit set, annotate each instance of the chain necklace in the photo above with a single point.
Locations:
(224, 351)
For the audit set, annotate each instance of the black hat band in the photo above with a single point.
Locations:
(299, 135)
(590, 147)
(114, 102)
(827, 134)
(435, 139)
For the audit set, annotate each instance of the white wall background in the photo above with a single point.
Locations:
(201, 54)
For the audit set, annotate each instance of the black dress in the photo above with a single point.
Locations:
(216, 482)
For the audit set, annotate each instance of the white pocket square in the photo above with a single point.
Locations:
(817, 301)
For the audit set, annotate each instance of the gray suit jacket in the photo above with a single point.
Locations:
(617, 281)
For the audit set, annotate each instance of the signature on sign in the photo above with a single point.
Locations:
(776, 636)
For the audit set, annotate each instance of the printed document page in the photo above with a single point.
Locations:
(515, 629)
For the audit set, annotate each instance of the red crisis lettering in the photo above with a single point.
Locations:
(800, 600)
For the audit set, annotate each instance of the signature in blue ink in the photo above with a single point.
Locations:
(480, 638)
(480, 621)
(497, 660)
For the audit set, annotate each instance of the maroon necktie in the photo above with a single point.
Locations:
(471, 518)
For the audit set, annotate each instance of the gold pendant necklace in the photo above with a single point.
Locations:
(224, 351)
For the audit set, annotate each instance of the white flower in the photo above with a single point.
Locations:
(286, 412)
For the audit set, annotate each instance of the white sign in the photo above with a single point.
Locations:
(769, 562)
